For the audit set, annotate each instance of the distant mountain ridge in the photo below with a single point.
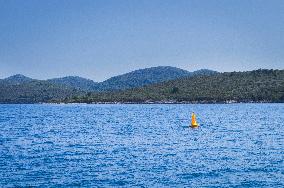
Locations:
(150, 85)
(75, 82)
(143, 77)
(17, 79)
(147, 76)
(251, 86)
(34, 91)
(21, 89)
(133, 79)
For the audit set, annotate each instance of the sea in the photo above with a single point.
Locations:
(141, 145)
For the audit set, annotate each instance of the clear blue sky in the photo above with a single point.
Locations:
(100, 39)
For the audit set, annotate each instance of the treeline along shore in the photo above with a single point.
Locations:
(251, 86)
(231, 87)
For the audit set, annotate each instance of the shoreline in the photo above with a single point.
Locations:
(156, 102)
(175, 102)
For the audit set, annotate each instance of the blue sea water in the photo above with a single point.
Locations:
(237, 145)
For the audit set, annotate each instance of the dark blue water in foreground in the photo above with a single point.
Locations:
(142, 145)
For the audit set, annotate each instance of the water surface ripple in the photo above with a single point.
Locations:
(237, 145)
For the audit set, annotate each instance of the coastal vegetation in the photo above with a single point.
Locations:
(148, 76)
(21, 89)
(252, 86)
(134, 79)
(34, 91)
(156, 86)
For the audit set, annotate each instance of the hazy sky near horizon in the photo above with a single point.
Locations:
(100, 39)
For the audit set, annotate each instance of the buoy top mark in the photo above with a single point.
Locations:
(194, 123)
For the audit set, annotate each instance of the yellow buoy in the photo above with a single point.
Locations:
(194, 123)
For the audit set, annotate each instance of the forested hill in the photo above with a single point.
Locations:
(76, 82)
(137, 78)
(148, 76)
(33, 91)
(22, 89)
(256, 86)
(17, 79)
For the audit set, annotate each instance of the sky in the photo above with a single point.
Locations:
(99, 39)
